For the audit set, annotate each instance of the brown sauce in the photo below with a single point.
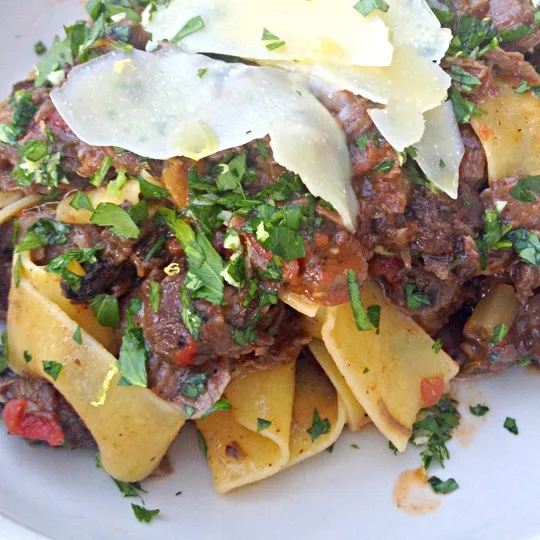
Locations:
(412, 494)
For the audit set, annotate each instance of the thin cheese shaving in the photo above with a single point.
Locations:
(441, 149)
(163, 109)
(315, 31)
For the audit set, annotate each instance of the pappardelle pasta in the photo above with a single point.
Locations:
(272, 233)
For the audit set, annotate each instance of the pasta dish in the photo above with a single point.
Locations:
(275, 220)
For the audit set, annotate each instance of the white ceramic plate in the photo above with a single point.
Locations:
(59, 494)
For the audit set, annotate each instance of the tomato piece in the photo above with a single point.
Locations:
(431, 390)
(31, 425)
(186, 356)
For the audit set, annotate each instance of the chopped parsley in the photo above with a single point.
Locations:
(361, 142)
(467, 82)
(119, 221)
(152, 191)
(133, 355)
(99, 176)
(189, 315)
(443, 487)
(144, 515)
(509, 35)
(60, 265)
(52, 368)
(494, 236)
(360, 314)
(39, 165)
(527, 246)
(39, 48)
(194, 385)
(284, 242)
(276, 43)
(128, 489)
(525, 189)
(384, 166)
(374, 316)
(479, 410)
(204, 279)
(437, 346)
(434, 430)
(263, 424)
(220, 405)
(525, 361)
(114, 187)
(45, 232)
(473, 37)
(17, 271)
(202, 444)
(463, 109)
(499, 333)
(155, 295)
(319, 426)
(81, 201)
(415, 299)
(195, 24)
(27, 357)
(24, 109)
(105, 308)
(355, 446)
(202, 72)
(445, 17)
(77, 335)
(50, 69)
(365, 7)
(511, 425)
(522, 87)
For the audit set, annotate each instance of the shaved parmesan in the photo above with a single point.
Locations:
(328, 32)
(441, 149)
(417, 85)
(161, 109)
(413, 23)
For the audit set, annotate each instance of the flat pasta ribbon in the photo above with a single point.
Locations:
(133, 428)
(509, 130)
(384, 370)
(267, 429)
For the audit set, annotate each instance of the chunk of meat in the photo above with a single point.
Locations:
(473, 168)
(511, 64)
(35, 410)
(509, 15)
(517, 213)
(167, 336)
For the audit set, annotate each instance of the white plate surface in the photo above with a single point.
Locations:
(57, 494)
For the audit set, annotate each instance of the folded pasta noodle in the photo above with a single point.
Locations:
(133, 428)
(12, 204)
(387, 370)
(276, 421)
(81, 216)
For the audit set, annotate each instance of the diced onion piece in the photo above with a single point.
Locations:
(161, 109)
(499, 306)
(315, 31)
(440, 151)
